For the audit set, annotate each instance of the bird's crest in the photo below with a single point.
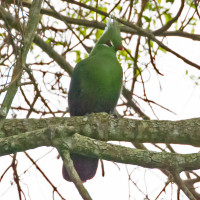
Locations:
(112, 25)
(111, 36)
(113, 31)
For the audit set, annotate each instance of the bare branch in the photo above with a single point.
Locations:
(168, 25)
(21, 59)
(69, 166)
(181, 184)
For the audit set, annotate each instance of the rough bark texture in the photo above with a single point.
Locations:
(106, 127)
(23, 134)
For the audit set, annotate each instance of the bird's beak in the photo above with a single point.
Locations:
(120, 48)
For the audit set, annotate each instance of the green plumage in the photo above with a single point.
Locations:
(95, 87)
(96, 83)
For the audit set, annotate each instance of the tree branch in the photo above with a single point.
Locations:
(105, 127)
(168, 25)
(43, 45)
(32, 133)
(183, 187)
(195, 37)
(62, 138)
(99, 25)
(27, 39)
(63, 63)
(69, 166)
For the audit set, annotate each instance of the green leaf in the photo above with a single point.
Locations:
(147, 18)
(98, 33)
(163, 50)
(151, 43)
(176, 26)
(154, 22)
(2, 34)
(78, 55)
(191, 3)
(168, 16)
(138, 71)
(192, 77)
(102, 9)
(59, 43)
(193, 30)
(48, 40)
(170, 1)
(129, 65)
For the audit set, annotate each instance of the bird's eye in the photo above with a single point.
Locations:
(108, 43)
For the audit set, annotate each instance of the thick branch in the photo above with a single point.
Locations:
(102, 126)
(62, 138)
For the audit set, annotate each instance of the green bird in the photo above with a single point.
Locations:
(95, 87)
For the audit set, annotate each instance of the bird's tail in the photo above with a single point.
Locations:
(86, 167)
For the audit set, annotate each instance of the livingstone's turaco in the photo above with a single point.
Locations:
(95, 87)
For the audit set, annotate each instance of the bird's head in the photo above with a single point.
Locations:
(113, 32)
